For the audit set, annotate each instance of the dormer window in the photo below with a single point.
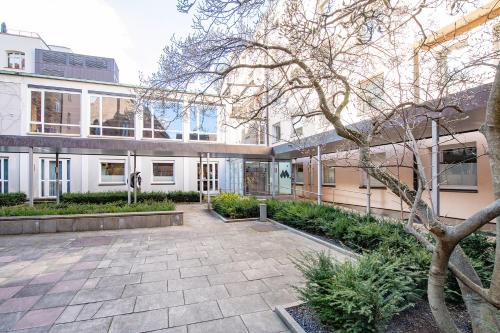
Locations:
(15, 60)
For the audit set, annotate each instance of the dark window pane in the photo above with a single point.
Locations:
(36, 106)
(61, 108)
(112, 172)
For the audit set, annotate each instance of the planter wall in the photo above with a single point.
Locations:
(15, 225)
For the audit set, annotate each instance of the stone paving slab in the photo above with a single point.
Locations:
(204, 276)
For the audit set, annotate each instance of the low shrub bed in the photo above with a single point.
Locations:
(390, 276)
(234, 206)
(121, 196)
(69, 209)
(12, 199)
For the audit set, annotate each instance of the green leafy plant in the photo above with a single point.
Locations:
(69, 209)
(355, 297)
(233, 206)
(121, 196)
(12, 199)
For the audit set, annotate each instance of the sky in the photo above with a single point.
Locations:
(133, 32)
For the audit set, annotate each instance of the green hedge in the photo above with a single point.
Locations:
(68, 209)
(12, 199)
(233, 206)
(121, 196)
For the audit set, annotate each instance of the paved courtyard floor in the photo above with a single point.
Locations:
(204, 276)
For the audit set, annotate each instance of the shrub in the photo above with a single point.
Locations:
(233, 206)
(121, 196)
(12, 199)
(68, 209)
(355, 297)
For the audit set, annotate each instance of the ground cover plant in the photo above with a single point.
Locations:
(354, 293)
(69, 209)
(121, 196)
(234, 206)
(12, 199)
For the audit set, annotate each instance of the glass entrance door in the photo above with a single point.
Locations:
(48, 177)
(256, 178)
(210, 177)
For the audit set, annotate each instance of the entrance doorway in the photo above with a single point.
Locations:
(48, 177)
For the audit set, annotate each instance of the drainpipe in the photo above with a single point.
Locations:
(135, 177)
(273, 165)
(294, 185)
(200, 170)
(435, 167)
(129, 199)
(31, 170)
(319, 174)
(368, 194)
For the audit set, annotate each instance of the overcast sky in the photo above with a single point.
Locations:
(131, 31)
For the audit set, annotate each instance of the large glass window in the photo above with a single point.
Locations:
(370, 93)
(254, 133)
(459, 168)
(299, 173)
(4, 175)
(203, 123)
(209, 176)
(163, 172)
(276, 132)
(163, 120)
(328, 173)
(55, 112)
(112, 116)
(15, 60)
(48, 179)
(112, 172)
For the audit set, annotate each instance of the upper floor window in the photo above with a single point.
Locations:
(4, 175)
(203, 123)
(328, 173)
(451, 62)
(458, 168)
(496, 39)
(55, 112)
(297, 126)
(163, 120)
(112, 116)
(15, 60)
(254, 133)
(370, 93)
(276, 132)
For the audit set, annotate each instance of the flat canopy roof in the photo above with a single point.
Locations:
(120, 147)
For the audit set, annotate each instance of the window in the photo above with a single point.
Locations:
(55, 112)
(276, 132)
(163, 120)
(371, 92)
(163, 173)
(203, 123)
(113, 172)
(210, 179)
(378, 160)
(298, 126)
(15, 60)
(459, 168)
(112, 116)
(48, 177)
(4, 175)
(254, 133)
(451, 61)
(299, 173)
(328, 173)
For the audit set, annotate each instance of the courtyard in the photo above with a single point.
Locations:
(204, 276)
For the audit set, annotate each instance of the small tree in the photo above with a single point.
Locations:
(306, 59)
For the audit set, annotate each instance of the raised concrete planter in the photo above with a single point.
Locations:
(288, 319)
(226, 220)
(15, 225)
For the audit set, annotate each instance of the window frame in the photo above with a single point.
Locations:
(277, 132)
(366, 107)
(460, 187)
(21, 55)
(42, 122)
(197, 132)
(153, 130)
(100, 127)
(153, 182)
(328, 164)
(296, 172)
(125, 177)
(4, 181)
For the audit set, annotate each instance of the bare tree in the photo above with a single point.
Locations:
(308, 59)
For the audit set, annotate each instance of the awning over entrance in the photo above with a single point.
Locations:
(109, 146)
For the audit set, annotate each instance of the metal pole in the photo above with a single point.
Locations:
(368, 194)
(435, 167)
(208, 180)
(135, 177)
(294, 185)
(57, 177)
(31, 170)
(319, 175)
(129, 199)
(273, 165)
(310, 177)
(200, 179)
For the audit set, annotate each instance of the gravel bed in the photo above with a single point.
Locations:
(415, 320)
